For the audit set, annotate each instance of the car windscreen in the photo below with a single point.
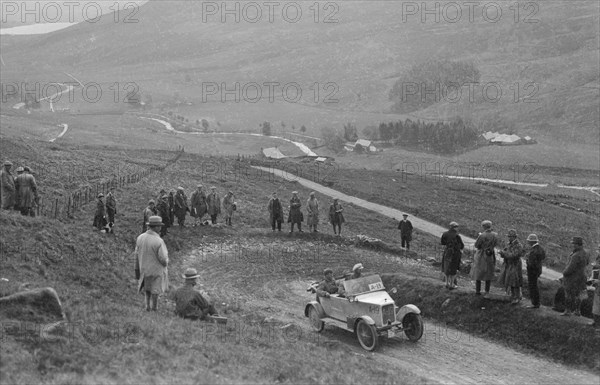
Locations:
(363, 285)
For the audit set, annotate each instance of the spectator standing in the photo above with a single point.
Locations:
(534, 257)
(26, 191)
(152, 259)
(8, 186)
(295, 216)
(162, 207)
(452, 254)
(574, 279)
(406, 228)
(180, 206)
(171, 201)
(312, 209)
(229, 206)
(596, 283)
(512, 269)
(484, 262)
(213, 203)
(100, 214)
(111, 208)
(336, 216)
(275, 211)
(198, 203)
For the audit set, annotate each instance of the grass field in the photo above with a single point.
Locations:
(109, 339)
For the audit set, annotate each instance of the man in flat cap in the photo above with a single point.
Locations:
(328, 285)
(191, 303)
(26, 191)
(534, 257)
(7, 182)
(152, 259)
(406, 228)
(574, 279)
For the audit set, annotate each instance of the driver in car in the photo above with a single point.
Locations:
(327, 286)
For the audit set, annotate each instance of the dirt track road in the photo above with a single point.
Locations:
(443, 355)
(418, 223)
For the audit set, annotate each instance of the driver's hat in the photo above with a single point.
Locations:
(327, 271)
(357, 266)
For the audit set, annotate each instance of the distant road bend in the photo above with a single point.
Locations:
(421, 224)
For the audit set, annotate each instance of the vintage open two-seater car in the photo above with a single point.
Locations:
(365, 308)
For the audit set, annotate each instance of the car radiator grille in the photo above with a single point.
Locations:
(387, 313)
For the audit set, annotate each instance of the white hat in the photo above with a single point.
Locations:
(357, 266)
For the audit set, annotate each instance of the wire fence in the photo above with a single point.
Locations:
(66, 206)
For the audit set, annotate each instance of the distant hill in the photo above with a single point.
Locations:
(547, 70)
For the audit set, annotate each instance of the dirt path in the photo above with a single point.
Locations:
(443, 355)
(421, 224)
(64, 131)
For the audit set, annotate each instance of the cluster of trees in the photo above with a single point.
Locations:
(431, 82)
(446, 138)
(182, 119)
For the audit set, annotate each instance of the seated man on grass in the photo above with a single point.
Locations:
(190, 303)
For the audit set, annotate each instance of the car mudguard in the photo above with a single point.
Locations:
(404, 310)
(317, 306)
(352, 321)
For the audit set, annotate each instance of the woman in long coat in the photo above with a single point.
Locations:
(100, 214)
(295, 215)
(511, 276)
(484, 262)
(336, 216)
(198, 202)
(452, 254)
(312, 209)
(26, 192)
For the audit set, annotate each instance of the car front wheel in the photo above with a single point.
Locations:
(315, 321)
(413, 326)
(367, 335)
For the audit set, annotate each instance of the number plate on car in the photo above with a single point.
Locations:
(391, 333)
(376, 286)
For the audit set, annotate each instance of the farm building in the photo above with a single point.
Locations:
(273, 153)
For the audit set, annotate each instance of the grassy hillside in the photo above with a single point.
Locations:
(171, 50)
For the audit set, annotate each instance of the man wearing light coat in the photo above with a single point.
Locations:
(152, 259)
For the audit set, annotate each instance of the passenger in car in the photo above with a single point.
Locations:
(356, 272)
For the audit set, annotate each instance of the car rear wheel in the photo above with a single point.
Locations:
(367, 335)
(315, 321)
(413, 326)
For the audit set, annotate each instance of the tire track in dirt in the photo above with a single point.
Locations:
(421, 224)
(443, 355)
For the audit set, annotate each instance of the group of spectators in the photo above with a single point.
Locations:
(574, 280)
(296, 216)
(174, 205)
(18, 192)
